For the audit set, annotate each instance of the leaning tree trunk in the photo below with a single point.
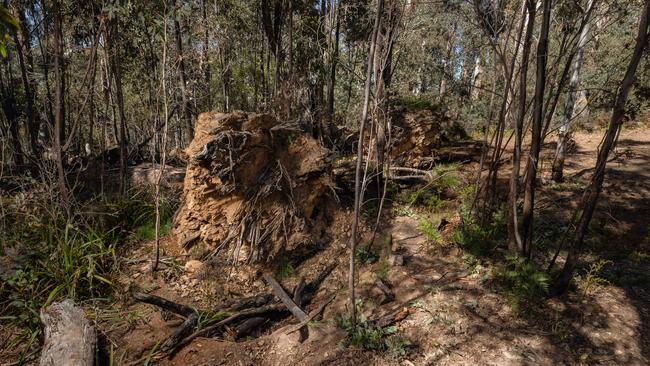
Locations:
(514, 239)
(70, 339)
(591, 194)
(533, 156)
(563, 133)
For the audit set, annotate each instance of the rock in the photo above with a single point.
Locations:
(193, 266)
(396, 260)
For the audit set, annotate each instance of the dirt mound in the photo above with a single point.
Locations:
(253, 189)
(418, 134)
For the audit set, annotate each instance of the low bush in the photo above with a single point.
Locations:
(525, 283)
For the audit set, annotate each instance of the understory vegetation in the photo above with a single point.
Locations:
(68, 258)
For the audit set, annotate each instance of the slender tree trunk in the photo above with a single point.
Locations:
(592, 193)
(8, 98)
(447, 62)
(357, 175)
(59, 113)
(207, 76)
(565, 125)
(538, 108)
(27, 70)
(493, 173)
(514, 240)
(91, 108)
(116, 70)
(185, 101)
(475, 93)
(332, 76)
(163, 147)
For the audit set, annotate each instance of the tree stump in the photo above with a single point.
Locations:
(70, 339)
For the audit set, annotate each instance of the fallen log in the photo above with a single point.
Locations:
(70, 339)
(247, 309)
(286, 300)
(180, 333)
(248, 326)
(209, 329)
(311, 316)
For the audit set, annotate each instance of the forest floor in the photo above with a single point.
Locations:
(455, 311)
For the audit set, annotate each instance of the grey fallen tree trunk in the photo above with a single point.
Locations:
(70, 339)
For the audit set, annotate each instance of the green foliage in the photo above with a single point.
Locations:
(69, 261)
(147, 231)
(8, 26)
(639, 256)
(525, 283)
(414, 103)
(368, 335)
(398, 346)
(592, 279)
(285, 271)
(205, 319)
(383, 268)
(429, 230)
(476, 239)
(445, 178)
(69, 257)
(366, 256)
(135, 213)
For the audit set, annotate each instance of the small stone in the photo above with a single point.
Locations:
(396, 260)
(193, 265)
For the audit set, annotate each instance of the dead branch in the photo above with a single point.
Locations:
(311, 316)
(165, 304)
(286, 300)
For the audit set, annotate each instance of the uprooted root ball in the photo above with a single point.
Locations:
(254, 189)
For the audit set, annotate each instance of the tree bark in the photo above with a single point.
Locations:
(27, 70)
(59, 112)
(207, 75)
(538, 109)
(332, 75)
(116, 70)
(565, 125)
(514, 239)
(592, 193)
(357, 175)
(447, 62)
(186, 112)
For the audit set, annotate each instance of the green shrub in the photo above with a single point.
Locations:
(429, 230)
(68, 261)
(525, 283)
(135, 213)
(592, 277)
(368, 335)
(285, 271)
(366, 256)
(476, 239)
(383, 268)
